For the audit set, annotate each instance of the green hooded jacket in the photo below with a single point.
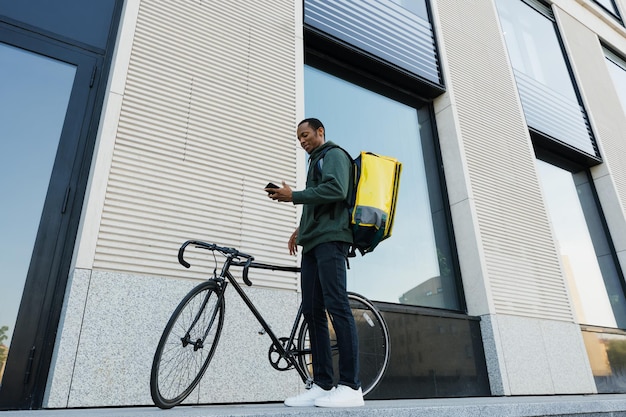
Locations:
(325, 216)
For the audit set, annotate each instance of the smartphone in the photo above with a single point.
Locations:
(271, 185)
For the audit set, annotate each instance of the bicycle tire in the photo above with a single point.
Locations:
(180, 361)
(374, 344)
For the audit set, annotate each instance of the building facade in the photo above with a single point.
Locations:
(131, 127)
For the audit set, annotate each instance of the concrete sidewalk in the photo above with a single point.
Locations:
(609, 405)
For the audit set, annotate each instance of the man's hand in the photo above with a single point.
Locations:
(293, 248)
(280, 194)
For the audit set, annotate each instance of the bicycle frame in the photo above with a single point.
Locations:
(287, 354)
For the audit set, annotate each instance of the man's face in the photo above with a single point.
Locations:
(309, 138)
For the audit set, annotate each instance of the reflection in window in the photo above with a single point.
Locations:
(414, 266)
(586, 256)
(617, 68)
(546, 89)
(607, 357)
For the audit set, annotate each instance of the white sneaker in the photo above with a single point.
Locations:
(308, 397)
(342, 396)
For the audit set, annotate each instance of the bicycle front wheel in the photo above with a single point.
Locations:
(374, 345)
(187, 345)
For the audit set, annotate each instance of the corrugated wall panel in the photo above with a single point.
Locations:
(523, 269)
(207, 120)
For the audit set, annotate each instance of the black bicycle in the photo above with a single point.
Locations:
(191, 335)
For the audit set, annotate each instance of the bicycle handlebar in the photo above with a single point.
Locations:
(230, 253)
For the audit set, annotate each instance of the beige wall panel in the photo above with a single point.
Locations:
(207, 119)
(523, 270)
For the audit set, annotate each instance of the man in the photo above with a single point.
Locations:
(325, 237)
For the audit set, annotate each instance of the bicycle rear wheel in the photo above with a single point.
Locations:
(374, 346)
(187, 345)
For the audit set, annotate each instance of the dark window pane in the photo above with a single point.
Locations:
(85, 21)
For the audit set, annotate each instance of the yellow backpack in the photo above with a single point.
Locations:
(372, 199)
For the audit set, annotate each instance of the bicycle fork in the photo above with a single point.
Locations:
(199, 343)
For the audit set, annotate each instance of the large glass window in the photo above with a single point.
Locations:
(588, 260)
(549, 98)
(617, 68)
(414, 266)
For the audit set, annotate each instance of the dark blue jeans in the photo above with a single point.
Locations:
(324, 290)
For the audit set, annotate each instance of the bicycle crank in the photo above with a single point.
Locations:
(277, 360)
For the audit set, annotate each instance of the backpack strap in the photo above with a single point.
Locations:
(317, 169)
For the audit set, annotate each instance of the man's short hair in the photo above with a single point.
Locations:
(313, 122)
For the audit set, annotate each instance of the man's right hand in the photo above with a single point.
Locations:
(293, 247)
(283, 193)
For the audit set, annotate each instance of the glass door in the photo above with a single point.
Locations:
(46, 100)
(35, 94)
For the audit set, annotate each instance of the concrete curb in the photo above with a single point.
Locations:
(610, 405)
